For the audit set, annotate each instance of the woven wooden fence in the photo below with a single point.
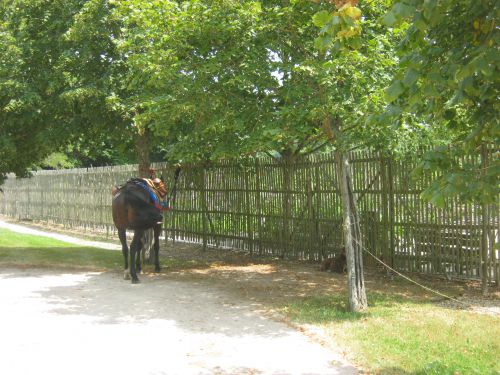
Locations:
(288, 209)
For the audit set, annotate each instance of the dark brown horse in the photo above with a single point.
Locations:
(135, 208)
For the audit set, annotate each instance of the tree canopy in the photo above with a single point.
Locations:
(207, 80)
(448, 76)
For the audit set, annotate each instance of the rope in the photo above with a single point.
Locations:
(418, 284)
(173, 192)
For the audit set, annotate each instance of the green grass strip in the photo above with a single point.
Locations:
(401, 336)
(18, 249)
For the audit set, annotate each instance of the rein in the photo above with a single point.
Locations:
(173, 194)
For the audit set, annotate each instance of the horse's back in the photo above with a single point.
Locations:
(133, 210)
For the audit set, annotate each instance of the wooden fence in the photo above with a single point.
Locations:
(288, 209)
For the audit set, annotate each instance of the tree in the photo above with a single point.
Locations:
(233, 78)
(100, 73)
(16, 102)
(449, 77)
(359, 58)
(29, 107)
(200, 72)
(53, 98)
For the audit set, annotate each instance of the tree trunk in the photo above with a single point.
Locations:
(352, 237)
(352, 231)
(142, 145)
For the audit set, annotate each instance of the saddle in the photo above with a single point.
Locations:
(155, 188)
(156, 185)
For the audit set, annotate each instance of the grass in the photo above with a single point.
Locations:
(25, 250)
(398, 336)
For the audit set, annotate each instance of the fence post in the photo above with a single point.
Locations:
(386, 252)
(204, 207)
(248, 213)
(285, 243)
(258, 203)
(485, 220)
(317, 230)
(390, 180)
(312, 220)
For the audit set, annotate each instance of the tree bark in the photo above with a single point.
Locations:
(352, 237)
(352, 231)
(142, 146)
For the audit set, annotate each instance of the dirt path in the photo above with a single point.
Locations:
(60, 322)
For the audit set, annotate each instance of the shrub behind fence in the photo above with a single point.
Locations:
(286, 209)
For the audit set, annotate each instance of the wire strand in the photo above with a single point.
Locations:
(469, 305)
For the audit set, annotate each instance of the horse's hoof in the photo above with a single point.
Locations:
(126, 275)
(135, 281)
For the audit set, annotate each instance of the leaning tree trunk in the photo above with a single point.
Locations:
(352, 236)
(352, 231)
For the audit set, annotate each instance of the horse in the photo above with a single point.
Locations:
(135, 207)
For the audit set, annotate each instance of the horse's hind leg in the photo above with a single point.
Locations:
(135, 248)
(122, 235)
(157, 230)
(138, 266)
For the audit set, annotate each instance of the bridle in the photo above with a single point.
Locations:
(173, 192)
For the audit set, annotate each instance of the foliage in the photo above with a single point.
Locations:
(198, 73)
(362, 51)
(36, 117)
(57, 160)
(20, 112)
(224, 79)
(449, 77)
(54, 85)
(235, 78)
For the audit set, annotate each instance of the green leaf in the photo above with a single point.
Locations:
(403, 10)
(436, 77)
(256, 7)
(411, 77)
(438, 199)
(323, 42)
(463, 73)
(320, 19)
(389, 19)
(393, 92)
(457, 98)
(480, 64)
(449, 114)
(431, 91)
